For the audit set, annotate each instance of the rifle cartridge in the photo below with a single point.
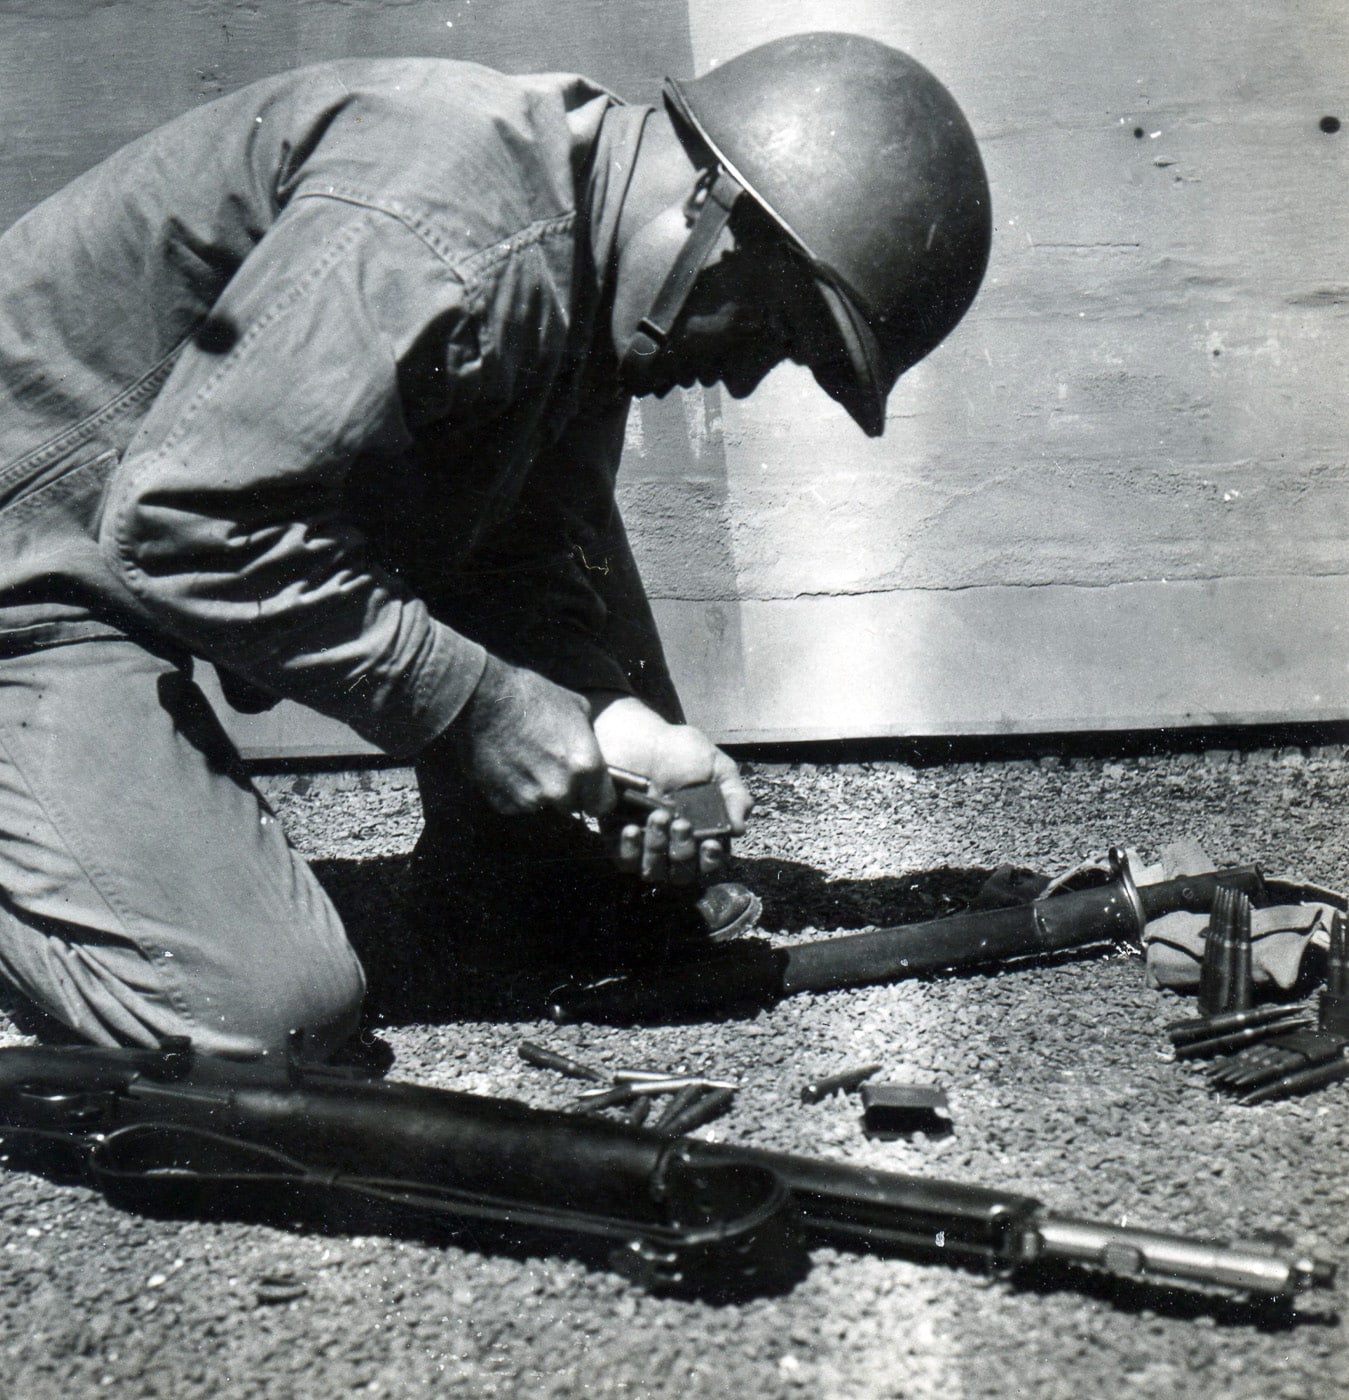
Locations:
(845, 1080)
(1194, 1028)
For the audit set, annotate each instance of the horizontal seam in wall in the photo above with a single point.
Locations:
(813, 594)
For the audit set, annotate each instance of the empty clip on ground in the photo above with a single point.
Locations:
(894, 1110)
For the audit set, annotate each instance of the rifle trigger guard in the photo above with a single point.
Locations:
(728, 1226)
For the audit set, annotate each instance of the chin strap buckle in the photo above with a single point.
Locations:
(709, 209)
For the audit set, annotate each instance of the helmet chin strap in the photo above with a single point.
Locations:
(710, 209)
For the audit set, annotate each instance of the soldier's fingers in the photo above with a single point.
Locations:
(683, 854)
(628, 854)
(711, 858)
(656, 848)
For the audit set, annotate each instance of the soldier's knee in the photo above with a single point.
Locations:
(328, 1008)
(321, 996)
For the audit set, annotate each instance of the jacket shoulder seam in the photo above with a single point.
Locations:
(409, 218)
(466, 264)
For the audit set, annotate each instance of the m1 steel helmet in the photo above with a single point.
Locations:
(862, 160)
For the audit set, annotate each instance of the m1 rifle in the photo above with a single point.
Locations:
(152, 1128)
(752, 970)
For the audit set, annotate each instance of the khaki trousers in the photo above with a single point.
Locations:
(146, 889)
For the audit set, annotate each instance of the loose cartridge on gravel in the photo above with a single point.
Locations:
(843, 1081)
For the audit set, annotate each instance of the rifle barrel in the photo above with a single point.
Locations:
(1005, 1229)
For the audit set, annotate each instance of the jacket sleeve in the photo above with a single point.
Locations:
(225, 517)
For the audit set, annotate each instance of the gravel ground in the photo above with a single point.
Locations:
(1059, 1081)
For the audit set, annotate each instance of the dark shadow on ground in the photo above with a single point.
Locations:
(424, 961)
(1142, 1297)
(798, 896)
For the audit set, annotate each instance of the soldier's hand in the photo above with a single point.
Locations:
(669, 756)
(528, 745)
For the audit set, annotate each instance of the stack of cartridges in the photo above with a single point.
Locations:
(1270, 1052)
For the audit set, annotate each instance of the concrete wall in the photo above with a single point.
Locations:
(78, 78)
(1117, 496)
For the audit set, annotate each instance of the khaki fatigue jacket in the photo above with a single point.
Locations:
(315, 382)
